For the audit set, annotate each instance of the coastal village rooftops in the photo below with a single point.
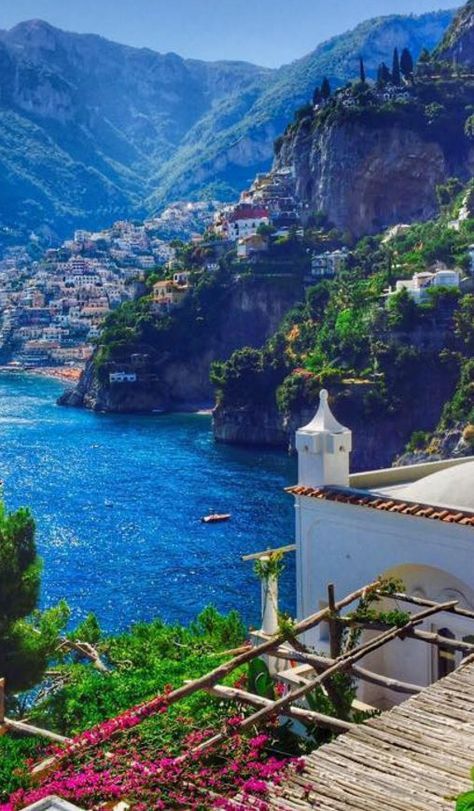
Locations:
(248, 213)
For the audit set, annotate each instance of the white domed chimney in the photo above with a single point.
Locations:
(323, 449)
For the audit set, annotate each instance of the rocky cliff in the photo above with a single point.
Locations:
(370, 157)
(248, 311)
(365, 177)
(377, 438)
(457, 44)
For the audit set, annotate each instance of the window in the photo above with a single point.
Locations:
(446, 656)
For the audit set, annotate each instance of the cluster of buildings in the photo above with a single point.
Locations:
(52, 310)
(328, 264)
(270, 201)
(51, 313)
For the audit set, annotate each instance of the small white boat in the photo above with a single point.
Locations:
(215, 518)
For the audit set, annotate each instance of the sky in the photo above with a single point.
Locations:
(266, 32)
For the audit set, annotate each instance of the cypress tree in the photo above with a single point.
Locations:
(406, 64)
(325, 88)
(317, 96)
(362, 70)
(383, 74)
(396, 77)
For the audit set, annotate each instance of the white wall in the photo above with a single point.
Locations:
(351, 545)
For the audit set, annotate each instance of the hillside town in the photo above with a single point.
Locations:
(52, 308)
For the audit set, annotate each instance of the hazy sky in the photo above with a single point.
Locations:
(268, 32)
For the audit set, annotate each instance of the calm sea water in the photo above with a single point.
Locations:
(118, 502)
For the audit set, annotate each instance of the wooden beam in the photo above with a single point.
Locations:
(321, 663)
(414, 633)
(282, 550)
(422, 601)
(334, 627)
(2, 706)
(220, 672)
(300, 628)
(28, 729)
(341, 664)
(299, 713)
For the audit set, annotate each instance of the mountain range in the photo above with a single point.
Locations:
(91, 130)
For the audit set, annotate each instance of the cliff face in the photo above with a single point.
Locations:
(377, 439)
(458, 42)
(366, 178)
(251, 312)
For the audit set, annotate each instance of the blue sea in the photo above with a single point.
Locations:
(118, 501)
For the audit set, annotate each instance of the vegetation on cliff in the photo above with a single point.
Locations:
(348, 334)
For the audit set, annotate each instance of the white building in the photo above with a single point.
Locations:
(414, 523)
(328, 264)
(122, 377)
(417, 287)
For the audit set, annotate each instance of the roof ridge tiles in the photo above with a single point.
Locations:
(356, 498)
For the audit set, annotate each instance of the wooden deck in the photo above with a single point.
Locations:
(415, 757)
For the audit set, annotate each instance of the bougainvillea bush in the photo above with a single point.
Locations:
(128, 742)
(129, 768)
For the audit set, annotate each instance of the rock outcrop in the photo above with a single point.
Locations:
(250, 312)
(366, 177)
(378, 438)
(458, 43)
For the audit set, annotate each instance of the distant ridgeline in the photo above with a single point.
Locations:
(92, 131)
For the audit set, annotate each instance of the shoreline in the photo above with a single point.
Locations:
(65, 374)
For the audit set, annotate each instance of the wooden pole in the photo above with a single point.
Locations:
(299, 713)
(340, 665)
(429, 637)
(28, 729)
(321, 663)
(422, 601)
(282, 550)
(2, 704)
(334, 627)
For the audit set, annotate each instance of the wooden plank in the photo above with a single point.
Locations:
(413, 758)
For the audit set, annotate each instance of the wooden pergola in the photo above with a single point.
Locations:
(369, 746)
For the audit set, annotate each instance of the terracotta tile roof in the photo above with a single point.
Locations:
(393, 505)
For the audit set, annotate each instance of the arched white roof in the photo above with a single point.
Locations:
(451, 487)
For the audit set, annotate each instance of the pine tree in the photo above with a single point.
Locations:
(23, 651)
(383, 75)
(406, 64)
(362, 70)
(325, 88)
(396, 77)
